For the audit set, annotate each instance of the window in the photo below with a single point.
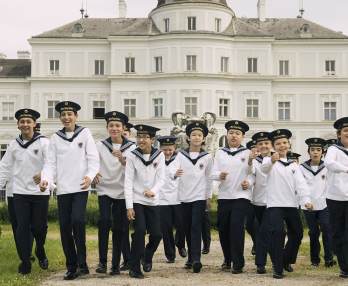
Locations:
(54, 66)
(98, 109)
(130, 107)
(8, 111)
(224, 107)
(252, 65)
(283, 68)
(158, 107)
(330, 67)
(224, 64)
(252, 109)
(191, 63)
(284, 110)
(166, 25)
(191, 23)
(158, 64)
(99, 67)
(3, 148)
(191, 106)
(130, 65)
(51, 111)
(330, 110)
(217, 25)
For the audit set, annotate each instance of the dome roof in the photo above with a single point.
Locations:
(165, 2)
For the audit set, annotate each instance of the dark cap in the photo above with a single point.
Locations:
(67, 106)
(251, 144)
(316, 142)
(260, 136)
(128, 126)
(28, 113)
(293, 156)
(116, 116)
(280, 133)
(146, 129)
(238, 125)
(330, 142)
(341, 123)
(167, 140)
(197, 126)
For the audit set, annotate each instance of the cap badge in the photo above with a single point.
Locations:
(66, 103)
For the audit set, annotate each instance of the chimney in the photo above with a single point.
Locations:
(23, 55)
(261, 10)
(122, 8)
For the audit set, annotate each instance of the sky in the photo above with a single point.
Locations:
(20, 19)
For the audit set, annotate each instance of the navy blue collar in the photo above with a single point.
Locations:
(35, 137)
(171, 159)
(308, 167)
(201, 154)
(233, 153)
(153, 155)
(340, 147)
(124, 146)
(62, 133)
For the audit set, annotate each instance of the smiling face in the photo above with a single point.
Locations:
(264, 147)
(343, 136)
(168, 151)
(68, 119)
(196, 138)
(26, 125)
(282, 146)
(115, 129)
(144, 142)
(234, 138)
(315, 153)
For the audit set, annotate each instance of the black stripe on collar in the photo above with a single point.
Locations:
(21, 143)
(259, 159)
(153, 155)
(307, 166)
(286, 164)
(124, 146)
(61, 133)
(201, 154)
(171, 159)
(233, 153)
(339, 147)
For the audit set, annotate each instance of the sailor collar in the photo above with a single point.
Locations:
(241, 148)
(62, 133)
(35, 137)
(201, 154)
(124, 146)
(153, 155)
(308, 167)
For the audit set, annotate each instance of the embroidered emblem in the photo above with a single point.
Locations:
(293, 171)
(315, 140)
(236, 122)
(296, 193)
(155, 165)
(114, 114)
(197, 124)
(140, 127)
(261, 134)
(242, 159)
(26, 111)
(323, 177)
(66, 103)
(201, 166)
(80, 144)
(36, 151)
(278, 131)
(168, 140)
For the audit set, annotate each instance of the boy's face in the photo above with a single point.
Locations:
(315, 153)
(168, 151)
(343, 136)
(234, 137)
(144, 141)
(281, 146)
(126, 134)
(115, 129)
(68, 119)
(196, 138)
(26, 125)
(264, 147)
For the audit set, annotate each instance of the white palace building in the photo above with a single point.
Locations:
(187, 55)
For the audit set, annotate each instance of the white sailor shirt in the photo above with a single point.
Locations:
(259, 179)
(70, 160)
(111, 170)
(141, 174)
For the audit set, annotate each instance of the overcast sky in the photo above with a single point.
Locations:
(21, 19)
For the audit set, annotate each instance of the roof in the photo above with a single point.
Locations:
(167, 2)
(15, 68)
(279, 28)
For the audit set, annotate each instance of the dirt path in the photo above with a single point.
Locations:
(174, 274)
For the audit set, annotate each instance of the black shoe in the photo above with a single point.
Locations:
(135, 274)
(182, 252)
(70, 275)
(277, 275)
(101, 268)
(170, 261)
(196, 266)
(226, 266)
(260, 270)
(205, 250)
(188, 265)
(124, 266)
(288, 268)
(330, 263)
(114, 271)
(237, 270)
(147, 266)
(253, 251)
(315, 264)
(24, 268)
(344, 274)
(83, 270)
(43, 264)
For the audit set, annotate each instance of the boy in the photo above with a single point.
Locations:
(336, 161)
(144, 178)
(285, 183)
(113, 152)
(23, 160)
(73, 162)
(315, 174)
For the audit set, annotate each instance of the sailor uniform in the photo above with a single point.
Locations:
(318, 218)
(144, 172)
(195, 187)
(21, 162)
(233, 202)
(336, 161)
(71, 157)
(285, 183)
(112, 207)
